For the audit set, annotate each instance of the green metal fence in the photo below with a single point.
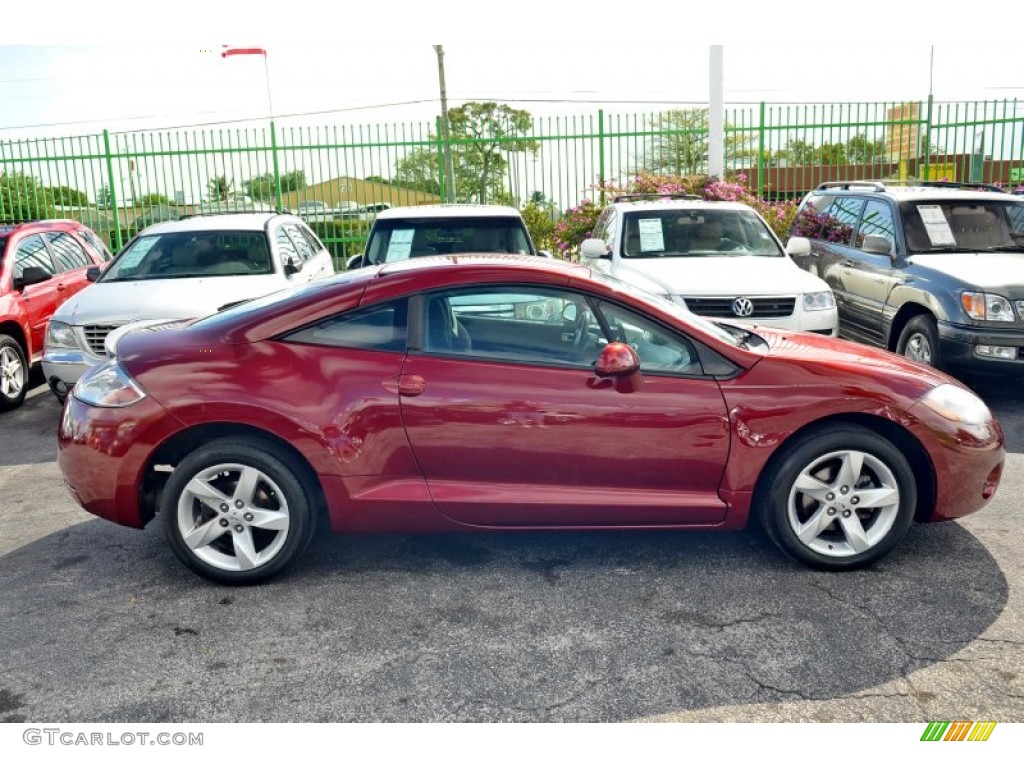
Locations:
(333, 175)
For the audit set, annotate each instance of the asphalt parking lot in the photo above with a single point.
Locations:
(102, 624)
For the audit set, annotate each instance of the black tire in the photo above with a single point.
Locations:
(14, 374)
(838, 532)
(919, 341)
(214, 533)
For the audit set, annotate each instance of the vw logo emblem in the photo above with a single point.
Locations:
(743, 307)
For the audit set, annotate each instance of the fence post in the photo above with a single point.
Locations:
(442, 187)
(277, 171)
(600, 152)
(112, 188)
(760, 152)
(928, 135)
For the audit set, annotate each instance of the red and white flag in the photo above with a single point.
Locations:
(236, 50)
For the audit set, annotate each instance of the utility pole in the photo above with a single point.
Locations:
(449, 173)
(716, 118)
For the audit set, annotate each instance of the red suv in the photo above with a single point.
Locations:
(42, 264)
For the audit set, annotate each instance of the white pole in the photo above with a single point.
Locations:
(716, 114)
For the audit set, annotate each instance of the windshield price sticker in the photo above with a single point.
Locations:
(935, 224)
(400, 245)
(651, 236)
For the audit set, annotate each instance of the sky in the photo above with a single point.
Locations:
(115, 69)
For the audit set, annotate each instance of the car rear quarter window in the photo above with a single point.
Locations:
(380, 326)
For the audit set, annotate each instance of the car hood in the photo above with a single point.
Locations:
(824, 355)
(987, 271)
(118, 303)
(721, 275)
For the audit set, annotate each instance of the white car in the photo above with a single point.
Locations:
(718, 259)
(428, 230)
(176, 270)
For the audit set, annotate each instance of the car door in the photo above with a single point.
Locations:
(41, 299)
(71, 261)
(512, 427)
(867, 278)
(831, 252)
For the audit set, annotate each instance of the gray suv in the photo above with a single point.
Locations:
(933, 271)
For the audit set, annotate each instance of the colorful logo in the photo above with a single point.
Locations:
(959, 730)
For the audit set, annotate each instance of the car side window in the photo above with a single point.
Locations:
(845, 211)
(68, 252)
(302, 246)
(877, 220)
(659, 349)
(380, 326)
(97, 245)
(287, 249)
(310, 237)
(511, 324)
(32, 253)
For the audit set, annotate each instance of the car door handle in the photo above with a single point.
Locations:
(406, 384)
(60, 286)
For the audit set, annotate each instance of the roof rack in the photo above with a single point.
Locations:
(875, 186)
(655, 196)
(961, 185)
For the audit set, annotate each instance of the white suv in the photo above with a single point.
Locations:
(718, 259)
(428, 230)
(176, 270)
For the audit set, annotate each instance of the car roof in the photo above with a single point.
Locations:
(447, 210)
(253, 222)
(910, 191)
(542, 263)
(666, 204)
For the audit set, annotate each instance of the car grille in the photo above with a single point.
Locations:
(722, 306)
(95, 335)
(1020, 309)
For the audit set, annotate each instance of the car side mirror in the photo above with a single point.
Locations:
(92, 274)
(545, 254)
(877, 244)
(31, 276)
(290, 268)
(594, 248)
(355, 262)
(798, 246)
(617, 360)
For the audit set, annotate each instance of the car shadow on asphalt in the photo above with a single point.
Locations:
(104, 624)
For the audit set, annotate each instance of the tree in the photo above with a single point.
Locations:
(219, 188)
(680, 144)
(862, 150)
(481, 134)
(22, 198)
(264, 187)
(153, 198)
(67, 196)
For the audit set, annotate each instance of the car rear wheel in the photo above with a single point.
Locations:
(13, 374)
(919, 341)
(840, 499)
(236, 513)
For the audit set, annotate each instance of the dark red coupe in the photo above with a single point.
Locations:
(512, 393)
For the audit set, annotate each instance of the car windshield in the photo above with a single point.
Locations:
(405, 238)
(943, 226)
(192, 254)
(672, 233)
(669, 307)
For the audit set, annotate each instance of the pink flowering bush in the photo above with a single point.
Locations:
(578, 223)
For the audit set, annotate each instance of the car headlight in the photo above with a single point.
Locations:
(987, 306)
(108, 386)
(60, 334)
(819, 300)
(957, 404)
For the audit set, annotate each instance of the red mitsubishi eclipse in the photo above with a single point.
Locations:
(512, 393)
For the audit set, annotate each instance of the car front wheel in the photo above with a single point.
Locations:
(919, 341)
(236, 513)
(840, 499)
(13, 374)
